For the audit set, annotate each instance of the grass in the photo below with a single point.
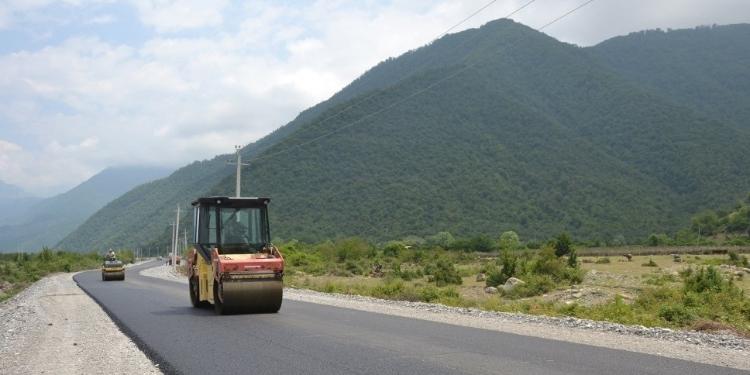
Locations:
(17, 271)
(662, 250)
(628, 292)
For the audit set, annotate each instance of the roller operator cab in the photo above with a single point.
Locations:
(233, 264)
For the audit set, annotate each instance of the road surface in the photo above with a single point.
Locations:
(307, 338)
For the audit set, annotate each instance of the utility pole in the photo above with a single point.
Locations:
(170, 253)
(239, 164)
(177, 236)
(184, 232)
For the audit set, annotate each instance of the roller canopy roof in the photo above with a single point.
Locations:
(232, 202)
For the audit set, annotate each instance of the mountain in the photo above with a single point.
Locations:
(47, 221)
(705, 68)
(151, 208)
(487, 130)
(14, 201)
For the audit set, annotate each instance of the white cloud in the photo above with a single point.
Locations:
(87, 103)
(102, 19)
(176, 15)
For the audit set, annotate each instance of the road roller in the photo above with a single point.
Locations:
(113, 269)
(233, 265)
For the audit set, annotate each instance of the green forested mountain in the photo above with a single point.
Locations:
(705, 68)
(47, 221)
(512, 130)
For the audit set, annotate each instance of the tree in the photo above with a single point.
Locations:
(509, 240)
(573, 259)
(705, 223)
(442, 239)
(562, 244)
(660, 239)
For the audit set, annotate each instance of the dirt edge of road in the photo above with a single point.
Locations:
(53, 326)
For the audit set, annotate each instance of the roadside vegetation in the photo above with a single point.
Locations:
(19, 270)
(705, 292)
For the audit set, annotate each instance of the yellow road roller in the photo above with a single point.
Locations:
(233, 264)
(113, 269)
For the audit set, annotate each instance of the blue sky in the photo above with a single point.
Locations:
(88, 84)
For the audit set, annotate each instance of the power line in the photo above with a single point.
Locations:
(479, 11)
(565, 15)
(376, 92)
(416, 93)
(466, 19)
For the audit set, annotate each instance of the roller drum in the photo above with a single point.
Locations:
(117, 275)
(252, 296)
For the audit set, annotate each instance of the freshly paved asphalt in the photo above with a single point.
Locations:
(306, 338)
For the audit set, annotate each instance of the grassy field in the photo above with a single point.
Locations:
(662, 250)
(698, 292)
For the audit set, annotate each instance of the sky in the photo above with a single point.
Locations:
(89, 84)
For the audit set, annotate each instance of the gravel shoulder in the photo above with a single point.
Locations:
(54, 327)
(716, 349)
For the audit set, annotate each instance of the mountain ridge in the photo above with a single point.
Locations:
(46, 221)
(541, 137)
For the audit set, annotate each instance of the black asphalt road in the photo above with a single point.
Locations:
(306, 338)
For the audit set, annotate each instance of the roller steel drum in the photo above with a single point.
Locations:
(251, 296)
(116, 275)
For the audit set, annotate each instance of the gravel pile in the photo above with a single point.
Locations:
(164, 272)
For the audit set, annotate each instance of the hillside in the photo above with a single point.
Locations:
(705, 68)
(14, 201)
(528, 134)
(47, 221)
(535, 137)
(141, 217)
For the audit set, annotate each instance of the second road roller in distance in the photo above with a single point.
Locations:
(233, 264)
(112, 269)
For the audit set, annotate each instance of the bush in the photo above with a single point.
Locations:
(660, 239)
(443, 273)
(650, 263)
(533, 285)
(705, 279)
(509, 241)
(393, 249)
(737, 260)
(573, 259)
(677, 314)
(442, 239)
(562, 244)
(604, 260)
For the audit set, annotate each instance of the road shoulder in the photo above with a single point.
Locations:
(54, 327)
(714, 349)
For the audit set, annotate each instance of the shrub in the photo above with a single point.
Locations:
(443, 273)
(660, 239)
(705, 279)
(533, 285)
(650, 263)
(604, 260)
(509, 241)
(393, 249)
(562, 244)
(737, 260)
(441, 239)
(676, 313)
(573, 259)
(351, 249)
